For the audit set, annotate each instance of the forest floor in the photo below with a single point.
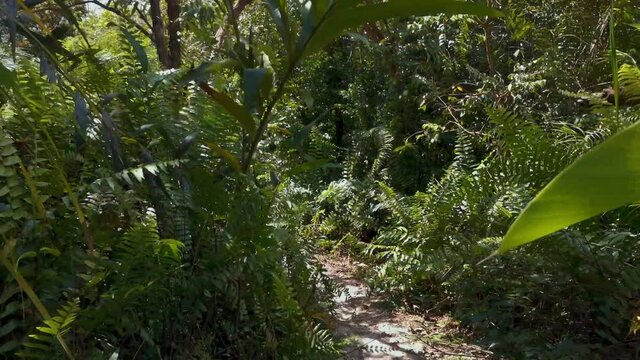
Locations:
(371, 330)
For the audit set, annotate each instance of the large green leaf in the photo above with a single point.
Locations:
(351, 17)
(257, 84)
(280, 15)
(238, 112)
(605, 178)
(312, 12)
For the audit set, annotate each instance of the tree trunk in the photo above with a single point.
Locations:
(158, 34)
(173, 13)
(488, 37)
(488, 41)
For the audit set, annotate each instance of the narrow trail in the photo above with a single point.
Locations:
(373, 332)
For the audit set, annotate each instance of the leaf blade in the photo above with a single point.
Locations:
(233, 108)
(351, 17)
(603, 179)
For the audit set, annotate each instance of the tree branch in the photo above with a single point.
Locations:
(118, 12)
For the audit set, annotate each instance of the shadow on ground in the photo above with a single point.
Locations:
(373, 332)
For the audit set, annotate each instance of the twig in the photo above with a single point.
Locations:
(444, 352)
(120, 14)
(344, 356)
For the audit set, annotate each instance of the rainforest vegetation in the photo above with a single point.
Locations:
(172, 172)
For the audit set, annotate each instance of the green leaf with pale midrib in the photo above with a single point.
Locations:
(353, 17)
(605, 178)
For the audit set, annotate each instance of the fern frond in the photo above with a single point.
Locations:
(14, 207)
(53, 330)
(630, 81)
(138, 173)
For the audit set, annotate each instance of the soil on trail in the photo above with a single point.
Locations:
(373, 332)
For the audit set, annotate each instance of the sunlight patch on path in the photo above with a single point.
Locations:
(373, 332)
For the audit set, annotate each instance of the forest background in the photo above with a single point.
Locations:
(169, 170)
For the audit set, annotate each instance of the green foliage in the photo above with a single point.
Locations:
(425, 246)
(347, 14)
(153, 261)
(601, 180)
(55, 327)
(177, 212)
(630, 81)
(14, 207)
(576, 194)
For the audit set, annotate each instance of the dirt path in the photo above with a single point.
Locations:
(372, 332)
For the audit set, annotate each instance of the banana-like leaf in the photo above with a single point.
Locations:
(112, 141)
(256, 83)
(312, 12)
(81, 113)
(354, 16)
(226, 155)
(603, 179)
(280, 15)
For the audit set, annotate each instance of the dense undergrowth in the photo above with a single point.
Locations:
(163, 191)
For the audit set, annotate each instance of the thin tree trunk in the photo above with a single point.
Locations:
(158, 34)
(488, 41)
(173, 13)
(488, 37)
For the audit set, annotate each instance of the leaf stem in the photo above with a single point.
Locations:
(24, 286)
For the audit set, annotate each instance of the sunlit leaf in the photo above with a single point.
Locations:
(312, 165)
(233, 108)
(226, 155)
(52, 251)
(351, 17)
(280, 15)
(47, 330)
(605, 178)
